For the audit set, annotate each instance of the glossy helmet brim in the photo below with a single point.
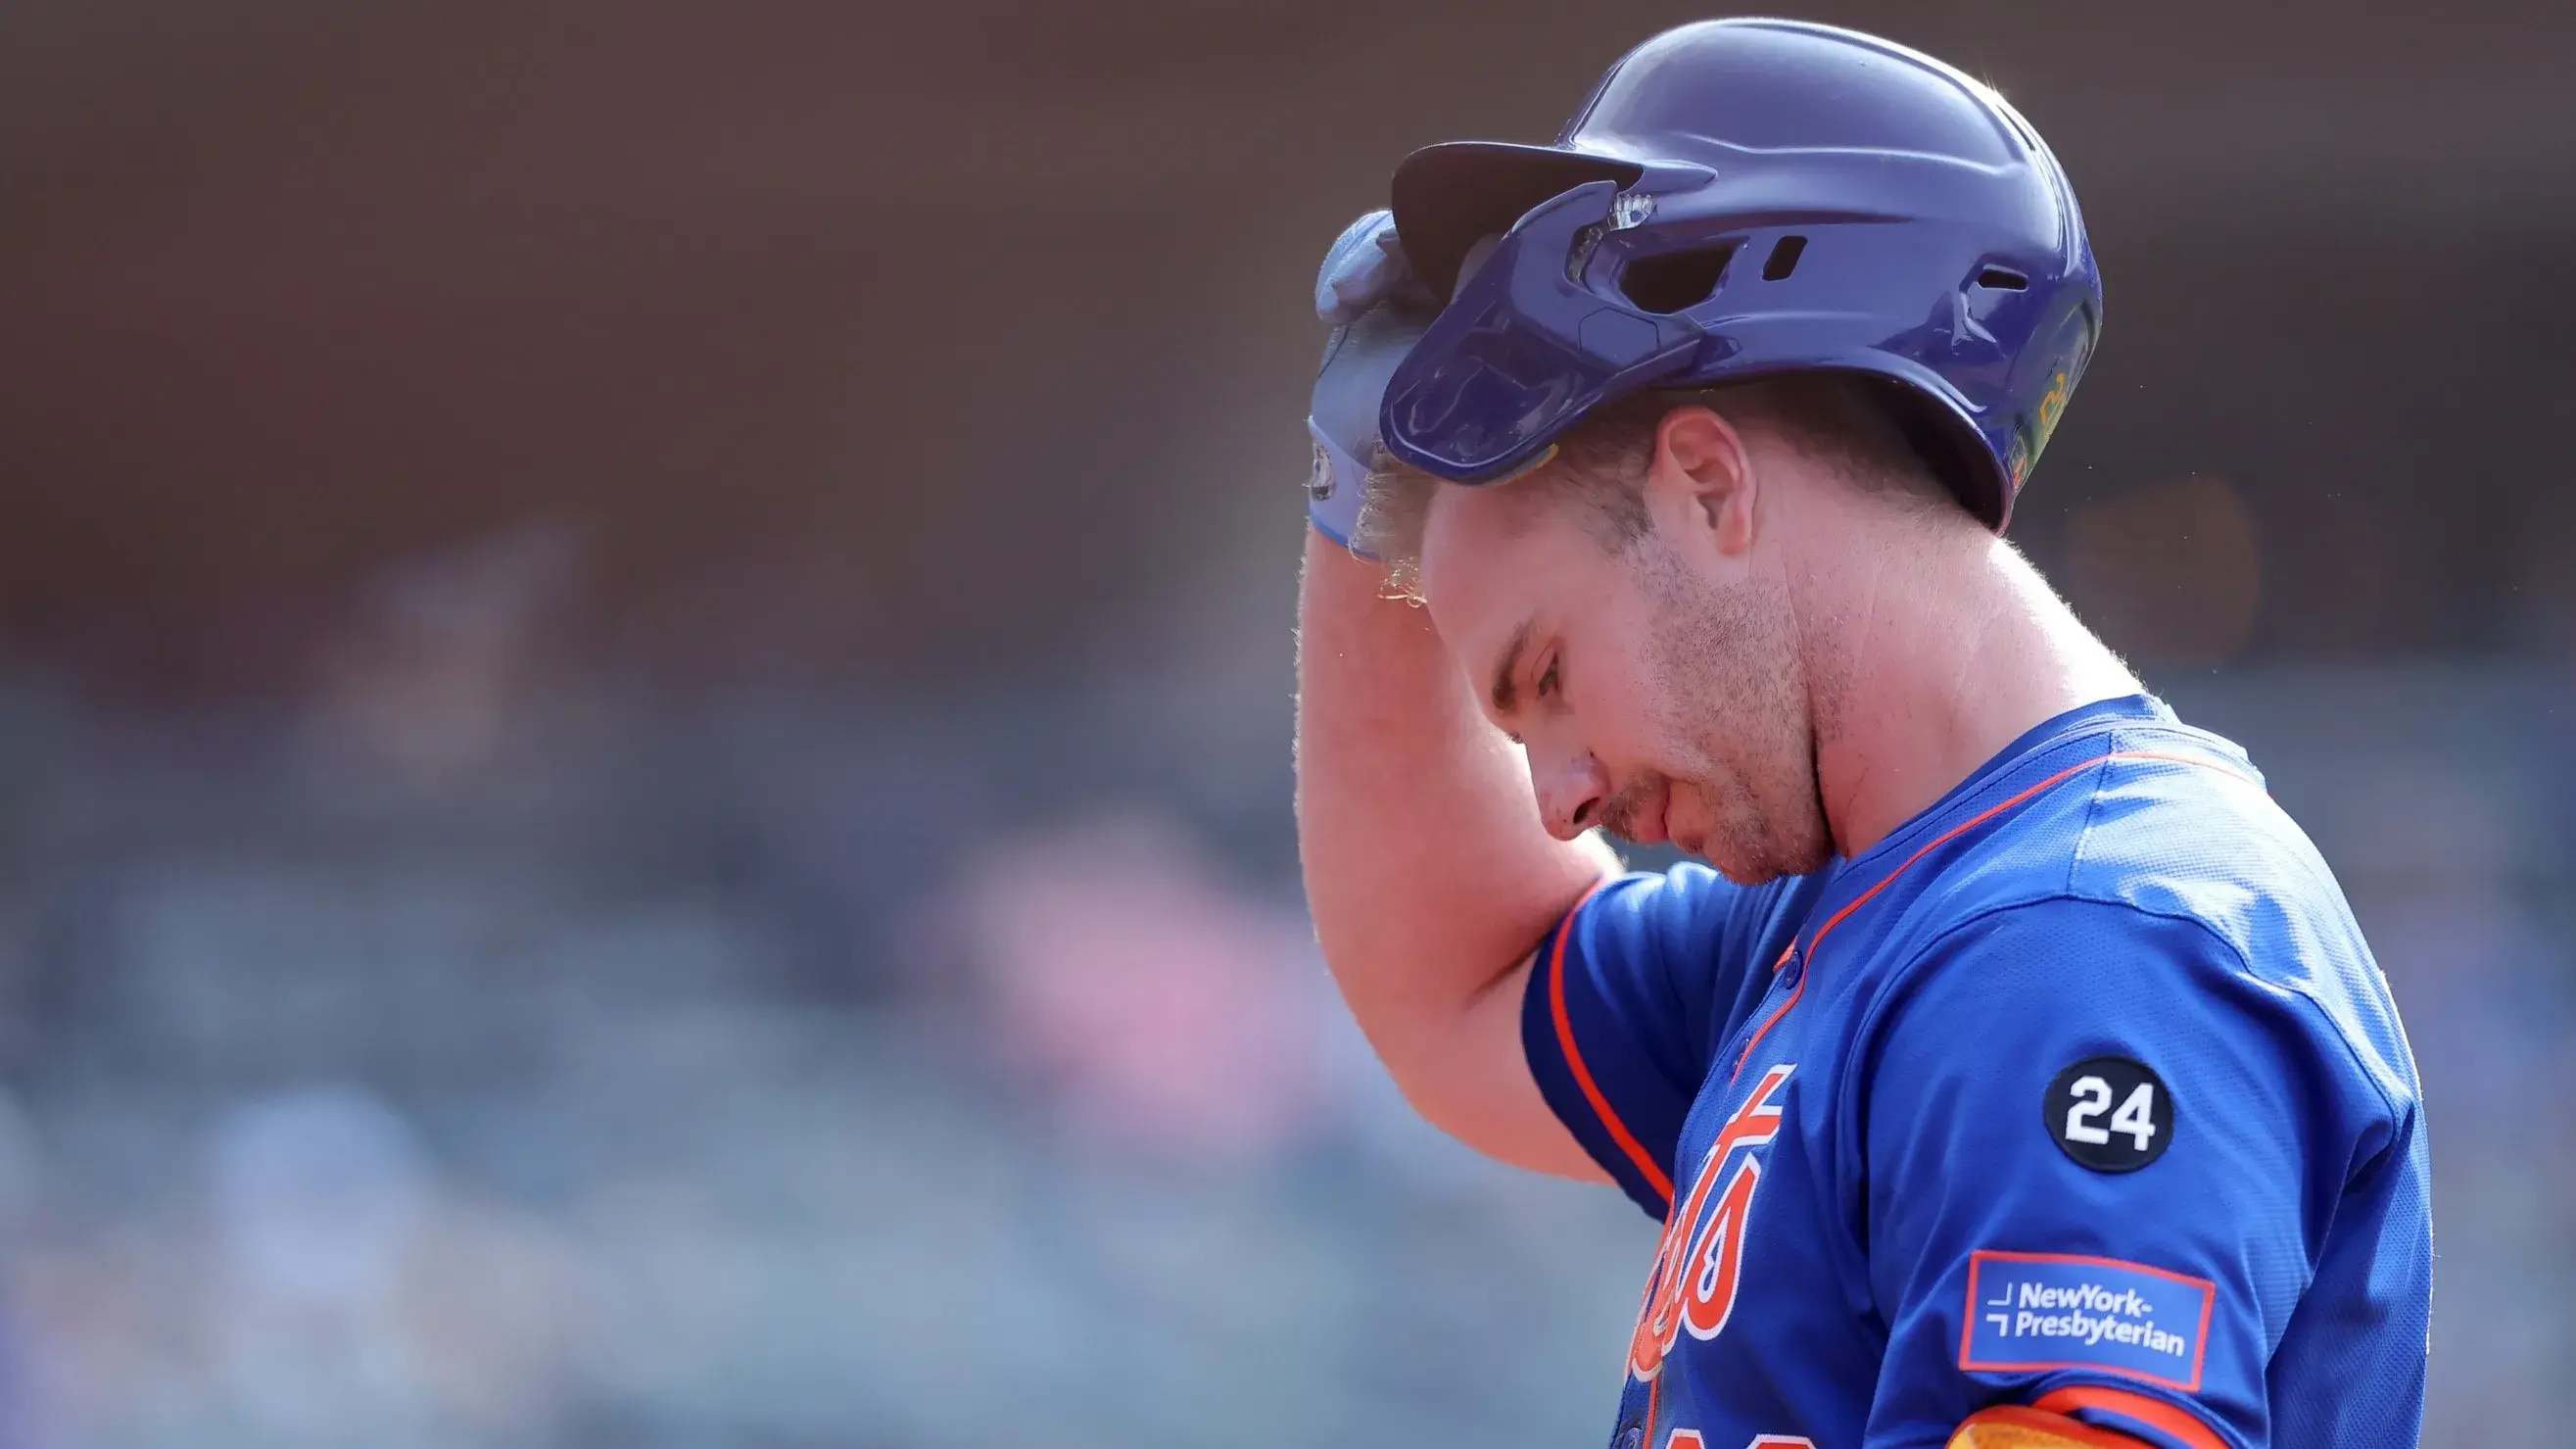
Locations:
(1804, 199)
(1450, 195)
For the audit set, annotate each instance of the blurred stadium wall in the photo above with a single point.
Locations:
(643, 694)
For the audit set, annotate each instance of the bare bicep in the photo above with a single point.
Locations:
(1482, 1092)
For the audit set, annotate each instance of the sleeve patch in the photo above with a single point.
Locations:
(2028, 1312)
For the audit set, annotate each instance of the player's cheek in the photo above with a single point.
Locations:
(1619, 710)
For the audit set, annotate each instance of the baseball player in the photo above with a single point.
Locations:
(2013, 1073)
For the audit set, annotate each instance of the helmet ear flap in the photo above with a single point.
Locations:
(1944, 445)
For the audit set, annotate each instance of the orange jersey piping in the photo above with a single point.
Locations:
(1636, 1151)
(1944, 838)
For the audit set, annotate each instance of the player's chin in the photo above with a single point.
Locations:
(1729, 840)
(1724, 846)
(1807, 851)
(1751, 849)
(1744, 867)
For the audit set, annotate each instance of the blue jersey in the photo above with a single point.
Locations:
(2079, 1091)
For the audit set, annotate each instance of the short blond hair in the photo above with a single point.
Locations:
(1847, 420)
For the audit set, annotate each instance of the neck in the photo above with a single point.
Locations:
(1945, 648)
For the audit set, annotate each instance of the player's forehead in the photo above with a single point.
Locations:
(1502, 572)
(1489, 547)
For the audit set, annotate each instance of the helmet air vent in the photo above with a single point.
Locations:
(1951, 262)
(1673, 281)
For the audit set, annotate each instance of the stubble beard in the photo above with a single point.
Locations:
(1732, 700)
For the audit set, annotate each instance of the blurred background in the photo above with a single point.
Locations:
(644, 694)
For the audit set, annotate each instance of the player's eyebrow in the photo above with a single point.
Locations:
(1506, 690)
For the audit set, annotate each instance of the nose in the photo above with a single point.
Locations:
(1571, 789)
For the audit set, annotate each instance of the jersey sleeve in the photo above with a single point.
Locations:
(2100, 1156)
(1625, 1003)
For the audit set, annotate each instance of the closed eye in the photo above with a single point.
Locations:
(1548, 683)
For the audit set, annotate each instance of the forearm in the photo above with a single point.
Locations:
(1427, 868)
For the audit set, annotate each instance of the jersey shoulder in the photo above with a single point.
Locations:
(2166, 835)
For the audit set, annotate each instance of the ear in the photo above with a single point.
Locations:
(1700, 485)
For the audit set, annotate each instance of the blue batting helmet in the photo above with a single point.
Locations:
(1741, 198)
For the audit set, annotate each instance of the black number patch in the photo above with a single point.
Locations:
(2110, 1114)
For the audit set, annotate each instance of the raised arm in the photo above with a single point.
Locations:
(1428, 872)
(1431, 878)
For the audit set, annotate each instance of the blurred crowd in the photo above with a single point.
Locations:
(644, 695)
(466, 1056)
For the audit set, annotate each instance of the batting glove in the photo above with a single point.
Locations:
(1377, 311)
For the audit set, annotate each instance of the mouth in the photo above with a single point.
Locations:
(1647, 823)
(1682, 837)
